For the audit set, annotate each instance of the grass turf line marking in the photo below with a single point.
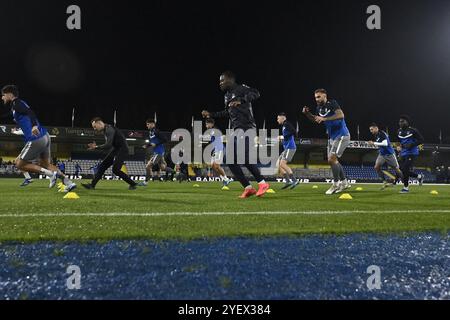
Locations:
(231, 213)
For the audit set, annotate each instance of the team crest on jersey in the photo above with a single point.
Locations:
(323, 112)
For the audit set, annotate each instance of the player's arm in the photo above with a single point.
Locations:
(24, 110)
(249, 94)
(218, 114)
(338, 113)
(109, 133)
(308, 114)
(17, 132)
(383, 143)
(245, 94)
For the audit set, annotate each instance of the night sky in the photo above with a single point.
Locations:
(141, 57)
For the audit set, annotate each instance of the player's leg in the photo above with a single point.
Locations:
(217, 169)
(342, 145)
(263, 186)
(379, 162)
(216, 161)
(101, 169)
(405, 168)
(158, 166)
(31, 151)
(391, 161)
(45, 161)
(27, 179)
(285, 158)
(286, 174)
(413, 174)
(335, 166)
(26, 174)
(238, 174)
(149, 169)
(117, 169)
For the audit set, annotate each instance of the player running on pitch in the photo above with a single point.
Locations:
(410, 139)
(289, 149)
(330, 113)
(218, 152)
(37, 140)
(156, 140)
(386, 155)
(117, 146)
(238, 107)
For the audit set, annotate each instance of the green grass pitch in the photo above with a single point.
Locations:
(169, 210)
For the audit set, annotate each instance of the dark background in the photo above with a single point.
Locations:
(141, 57)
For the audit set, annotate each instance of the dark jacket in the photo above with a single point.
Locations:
(241, 116)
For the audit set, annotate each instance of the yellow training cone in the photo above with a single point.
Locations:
(359, 189)
(270, 191)
(346, 196)
(71, 195)
(434, 192)
(196, 186)
(62, 189)
(315, 187)
(225, 188)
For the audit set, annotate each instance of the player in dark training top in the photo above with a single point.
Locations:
(238, 107)
(37, 140)
(386, 155)
(117, 148)
(410, 139)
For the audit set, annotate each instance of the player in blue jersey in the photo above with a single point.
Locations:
(410, 139)
(217, 158)
(289, 149)
(156, 141)
(37, 140)
(330, 113)
(386, 155)
(78, 169)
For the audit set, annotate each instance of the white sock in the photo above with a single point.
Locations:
(47, 172)
(249, 187)
(225, 178)
(262, 181)
(27, 175)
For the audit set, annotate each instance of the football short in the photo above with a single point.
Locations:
(390, 160)
(338, 146)
(36, 149)
(287, 155)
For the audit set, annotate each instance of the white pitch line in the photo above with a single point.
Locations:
(161, 214)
